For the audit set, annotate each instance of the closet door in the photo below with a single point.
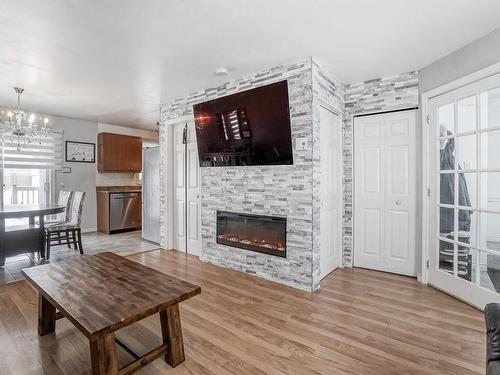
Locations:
(193, 193)
(385, 194)
(331, 187)
(179, 189)
(400, 193)
(369, 231)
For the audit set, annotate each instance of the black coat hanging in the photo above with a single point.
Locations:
(447, 189)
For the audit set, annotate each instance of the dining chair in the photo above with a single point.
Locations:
(64, 199)
(69, 232)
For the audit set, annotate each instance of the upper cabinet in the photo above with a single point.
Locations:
(119, 153)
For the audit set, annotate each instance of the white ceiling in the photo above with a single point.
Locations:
(114, 61)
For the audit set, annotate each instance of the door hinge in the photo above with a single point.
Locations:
(428, 119)
(428, 192)
(427, 264)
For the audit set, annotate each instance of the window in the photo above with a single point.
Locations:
(28, 173)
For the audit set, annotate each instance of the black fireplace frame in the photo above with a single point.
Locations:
(278, 253)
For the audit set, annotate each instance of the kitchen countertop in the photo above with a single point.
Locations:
(119, 189)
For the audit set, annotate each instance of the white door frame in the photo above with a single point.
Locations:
(179, 243)
(190, 195)
(169, 213)
(425, 97)
(340, 198)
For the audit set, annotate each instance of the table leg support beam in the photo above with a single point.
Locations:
(140, 362)
(171, 331)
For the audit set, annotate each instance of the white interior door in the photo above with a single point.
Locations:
(193, 194)
(331, 186)
(179, 189)
(464, 192)
(385, 193)
(186, 191)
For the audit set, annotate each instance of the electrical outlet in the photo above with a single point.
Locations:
(301, 144)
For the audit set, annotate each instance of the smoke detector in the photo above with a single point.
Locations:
(219, 72)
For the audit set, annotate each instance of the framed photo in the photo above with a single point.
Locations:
(80, 152)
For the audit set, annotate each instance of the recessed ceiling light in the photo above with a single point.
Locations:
(221, 72)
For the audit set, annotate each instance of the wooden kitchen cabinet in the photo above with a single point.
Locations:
(119, 153)
(103, 212)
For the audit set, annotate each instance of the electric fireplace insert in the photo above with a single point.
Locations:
(260, 233)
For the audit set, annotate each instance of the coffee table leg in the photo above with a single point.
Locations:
(46, 316)
(171, 331)
(103, 355)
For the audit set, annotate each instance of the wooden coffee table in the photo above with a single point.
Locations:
(103, 293)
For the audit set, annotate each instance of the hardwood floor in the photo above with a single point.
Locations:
(360, 322)
(126, 243)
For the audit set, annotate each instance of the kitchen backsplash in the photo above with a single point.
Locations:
(117, 179)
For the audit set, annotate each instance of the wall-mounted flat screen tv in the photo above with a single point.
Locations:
(248, 128)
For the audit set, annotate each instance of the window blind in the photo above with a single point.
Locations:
(40, 153)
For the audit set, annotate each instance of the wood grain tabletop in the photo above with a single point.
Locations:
(105, 292)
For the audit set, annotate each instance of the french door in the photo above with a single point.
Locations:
(186, 223)
(27, 186)
(464, 192)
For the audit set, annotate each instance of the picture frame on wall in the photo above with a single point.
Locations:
(80, 152)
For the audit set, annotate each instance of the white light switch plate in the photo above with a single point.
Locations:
(301, 144)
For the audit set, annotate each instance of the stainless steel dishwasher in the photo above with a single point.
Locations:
(124, 210)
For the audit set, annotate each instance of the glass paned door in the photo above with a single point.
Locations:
(26, 186)
(464, 212)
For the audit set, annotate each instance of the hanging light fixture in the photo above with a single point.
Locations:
(21, 127)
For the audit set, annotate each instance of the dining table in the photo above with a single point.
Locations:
(103, 293)
(23, 238)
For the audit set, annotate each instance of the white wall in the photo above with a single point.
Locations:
(471, 58)
(82, 176)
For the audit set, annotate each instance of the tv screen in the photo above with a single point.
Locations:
(248, 128)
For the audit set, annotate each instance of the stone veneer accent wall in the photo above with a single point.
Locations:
(271, 190)
(291, 191)
(372, 96)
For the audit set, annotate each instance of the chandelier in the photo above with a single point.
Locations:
(21, 127)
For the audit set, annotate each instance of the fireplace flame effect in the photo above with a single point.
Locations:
(276, 245)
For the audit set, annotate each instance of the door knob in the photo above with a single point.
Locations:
(398, 203)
